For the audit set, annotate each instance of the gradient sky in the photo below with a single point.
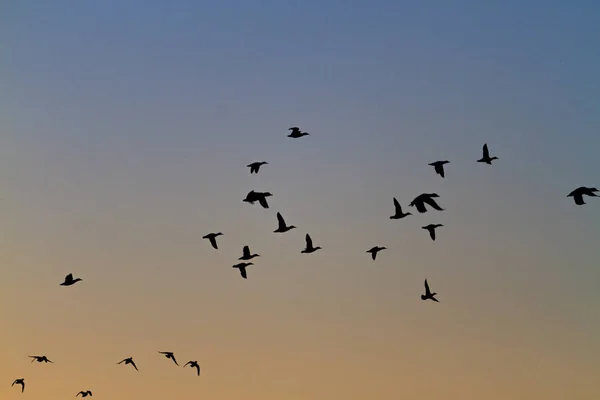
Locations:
(125, 131)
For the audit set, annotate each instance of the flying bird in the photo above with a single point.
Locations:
(282, 225)
(375, 250)
(255, 166)
(428, 295)
(40, 359)
(296, 132)
(486, 156)
(246, 254)
(242, 268)
(84, 394)
(212, 237)
(19, 382)
(169, 355)
(431, 229)
(398, 214)
(425, 198)
(261, 197)
(439, 167)
(578, 194)
(70, 281)
(193, 364)
(129, 360)
(309, 246)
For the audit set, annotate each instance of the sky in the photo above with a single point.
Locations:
(125, 131)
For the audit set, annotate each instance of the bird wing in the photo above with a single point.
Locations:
(486, 152)
(134, 366)
(439, 168)
(431, 202)
(121, 362)
(309, 244)
(69, 277)
(263, 202)
(173, 358)
(243, 272)
(427, 291)
(80, 393)
(213, 241)
(281, 221)
(198, 369)
(373, 254)
(246, 251)
(397, 206)
(578, 197)
(187, 363)
(432, 233)
(420, 206)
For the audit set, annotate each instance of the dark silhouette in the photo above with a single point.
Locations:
(578, 194)
(431, 229)
(70, 281)
(486, 156)
(21, 382)
(375, 250)
(170, 355)
(255, 166)
(282, 225)
(40, 359)
(425, 198)
(193, 364)
(398, 214)
(428, 295)
(212, 237)
(246, 254)
(439, 167)
(309, 246)
(296, 132)
(261, 197)
(84, 394)
(129, 360)
(242, 268)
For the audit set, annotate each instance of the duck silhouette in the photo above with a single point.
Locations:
(169, 355)
(425, 198)
(212, 237)
(261, 197)
(375, 250)
(431, 229)
(439, 167)
(193, 364)
(70, 281)
(486, 156)
(398, 214)
(84, 394)
(40, 359)
(578, 194)
(309, 245)
(20, 381)
(296, 132)
(129, 360)
(255, 166)
(246, 254)
(428, 295)
(242, 268)
(282, 226)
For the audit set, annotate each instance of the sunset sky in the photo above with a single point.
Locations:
(125, 131)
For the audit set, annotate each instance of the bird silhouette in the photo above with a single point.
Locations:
(398, 214)
(255, 166)
(282, 225)
(193, 364)
(84, 394)
(212, 237)
(425, 198)
(129, 360)
(40, 359)
(486, 156)
(242, 268)
(169, 355)
(309, 246)
(70, 281)
(21, 382)
(439, 167)
(246, 254)
(296, 132)
(261, 197)
(431, 229)
(428, 295)
(578, 194)
(375, 250)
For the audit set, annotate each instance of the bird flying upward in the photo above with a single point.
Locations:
(309, 245)
(212, 237)
(246, 254)
(282, 226)
(428, 295)
(169, 355)
(398, 214)
(70, 281)
(486, 156)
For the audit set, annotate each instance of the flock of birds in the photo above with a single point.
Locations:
(420, 202)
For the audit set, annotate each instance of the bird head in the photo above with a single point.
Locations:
(291, 227)
(423, 297)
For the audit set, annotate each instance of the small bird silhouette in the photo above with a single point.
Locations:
(21, 382)
(431, 229)
(486, 156)
(375, 250)
(425, 198)
(428, 294)
(193, 364)
(282, 225)
(40, 359)
(70, 281)
(242, 268)
(439, 167)
(255, 166)
(129, 360)
(170, 355)
(398, 214)
(296, 132)
(212, 237)
(309, 246)
(84, 394)
(261, 197)
(246, 254)
(578, 194)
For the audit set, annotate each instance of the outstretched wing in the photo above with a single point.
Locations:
(432, 233)
(213, 242)
(198, 369)
(439, 168)
(134, 366)
(243, 272)
(427, 291)
(281, 221)
(431, 202)
(263, 202)
(397, 206)
(308, 242)
(373, 254)
(486, 152)
(420, 206)
(246, 251)
(69, 277)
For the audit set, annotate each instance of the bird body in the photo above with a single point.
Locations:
(431, 229)
(261, 197)
(40, 359)
(129, 360)
(84, 394)
(398, 214)
(309, 246)
(486, 156)
(425, 198)
(169, 355)
(439, 167)
(428, 295)
(374, 251)
(296, 132)
(246, 254)
(70, 281)
(193, 364)
(242, 268)
(282, 226)
(20, 381)
(578, 194)
(212, 237)
(255, 166)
